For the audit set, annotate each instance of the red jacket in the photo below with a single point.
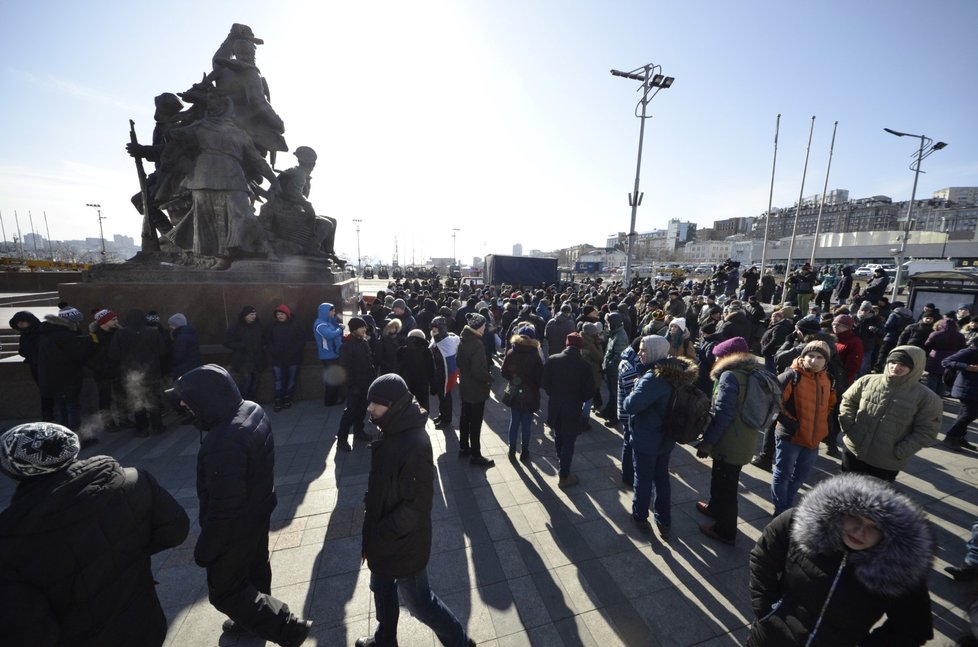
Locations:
(850, 348)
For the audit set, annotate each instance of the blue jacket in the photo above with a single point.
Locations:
(966, 383)
(648, 403)
(185, 353)
(328, 333)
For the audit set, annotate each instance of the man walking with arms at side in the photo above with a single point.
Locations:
(568, 380)
(235, 476)
(397, 521)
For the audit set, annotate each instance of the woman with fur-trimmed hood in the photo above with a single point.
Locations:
(825, 572)
(523, 369)
(648, 405)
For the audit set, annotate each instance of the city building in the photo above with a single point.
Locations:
(706, 251)
(959, 194)
(517, 249)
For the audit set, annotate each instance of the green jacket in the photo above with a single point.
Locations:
(733, 441)
(617, 342)
(886, 420)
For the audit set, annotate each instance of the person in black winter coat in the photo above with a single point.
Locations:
(416, 365)
(916, 334)
(523, 369)
(185, 347)
(245, 340)
(76, 542)
(138, 349)
(781, 327)
(569, 383)
(397, 531)
(385, 349)
(235, 486)
(284, 341)
(826, 571)
(844, 288)
(62, 353)
(105, 370)
(357, 361)
(28, 327)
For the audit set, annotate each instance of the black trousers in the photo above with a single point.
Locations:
(852, 464)
(353, 414)
(470, 426)
(445, 408)
(239, 583)
(723, 497)
(967, 414)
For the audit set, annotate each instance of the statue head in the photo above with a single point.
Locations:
(167, 106)
(244, 50)
(305, 155)
(218, 104)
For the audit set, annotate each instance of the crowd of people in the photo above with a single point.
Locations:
(780, 382)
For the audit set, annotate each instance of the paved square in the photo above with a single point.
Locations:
(520, 561)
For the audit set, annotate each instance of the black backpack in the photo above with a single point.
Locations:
(689, 414)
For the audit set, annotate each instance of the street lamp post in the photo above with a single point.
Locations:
(649, 81)
(944, 228)
(358, 221)
(455, 231)
(925, 142)
(101, 234)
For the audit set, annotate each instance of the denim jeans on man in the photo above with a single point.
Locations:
(420, 601)
(520, 423)
(792, 464)
(284, 381)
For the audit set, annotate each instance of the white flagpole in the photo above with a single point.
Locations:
(794, 228)
(770, 195)
(818, 221)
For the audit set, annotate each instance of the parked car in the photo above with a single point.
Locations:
(863, 272)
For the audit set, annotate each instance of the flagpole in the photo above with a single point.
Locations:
(48, 232)
(794, 228)
(770, 195)
(818, 221)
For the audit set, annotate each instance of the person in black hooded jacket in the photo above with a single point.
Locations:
(416, 365)
(61, 356)
(235, 486)
(284, 341)
(27, 326)
(76, 542)
(826, 571)
(396, 535)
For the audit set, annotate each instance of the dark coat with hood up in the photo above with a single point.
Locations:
(29, 338)
(284, 339)
(416, 365)
(397, 519)
(75, 549)
(648, 403)
(61, 354)
(568, 380)
(801, 553)
(523, 369)
(235, 464)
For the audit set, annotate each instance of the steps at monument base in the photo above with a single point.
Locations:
(29, 299)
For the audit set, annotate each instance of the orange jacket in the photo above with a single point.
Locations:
(807, 399)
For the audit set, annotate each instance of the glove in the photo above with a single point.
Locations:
(703, 449)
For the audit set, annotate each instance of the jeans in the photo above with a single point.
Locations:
(420, 601)
(520, 421)
(610, 409)
(627, 455)
(967, 415)
(936, 383)
(69, 410)
(723, 497)
(792, 464)
(284, 381)
(248, 385)
(652, 486)
(564, 444)
(867, 362)
(470, 426)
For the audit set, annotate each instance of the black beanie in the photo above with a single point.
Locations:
(356, 323)
(901, 357)
(387, 389)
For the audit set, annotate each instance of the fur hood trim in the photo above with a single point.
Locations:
(55, 320)
(899, 562)
(677, 371)
(521, 340)
(731, 362)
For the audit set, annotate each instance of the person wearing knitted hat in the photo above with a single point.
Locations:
(403, 313)
(807, 400)
(236, 491)
(848, 345)
(680, 344)
(569, 383)
(65, 516)
(647, 405)
(474, 383)
(397, 529)
(889, 417)
(357, 362)
(105, 371)
(727, 439)
(62, 352)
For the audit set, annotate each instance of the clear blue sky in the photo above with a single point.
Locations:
(501, 118)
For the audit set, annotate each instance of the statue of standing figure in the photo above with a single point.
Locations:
(221, 222)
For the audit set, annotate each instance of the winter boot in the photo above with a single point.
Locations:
(278, 404)
(287, 402)
(525, 455)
